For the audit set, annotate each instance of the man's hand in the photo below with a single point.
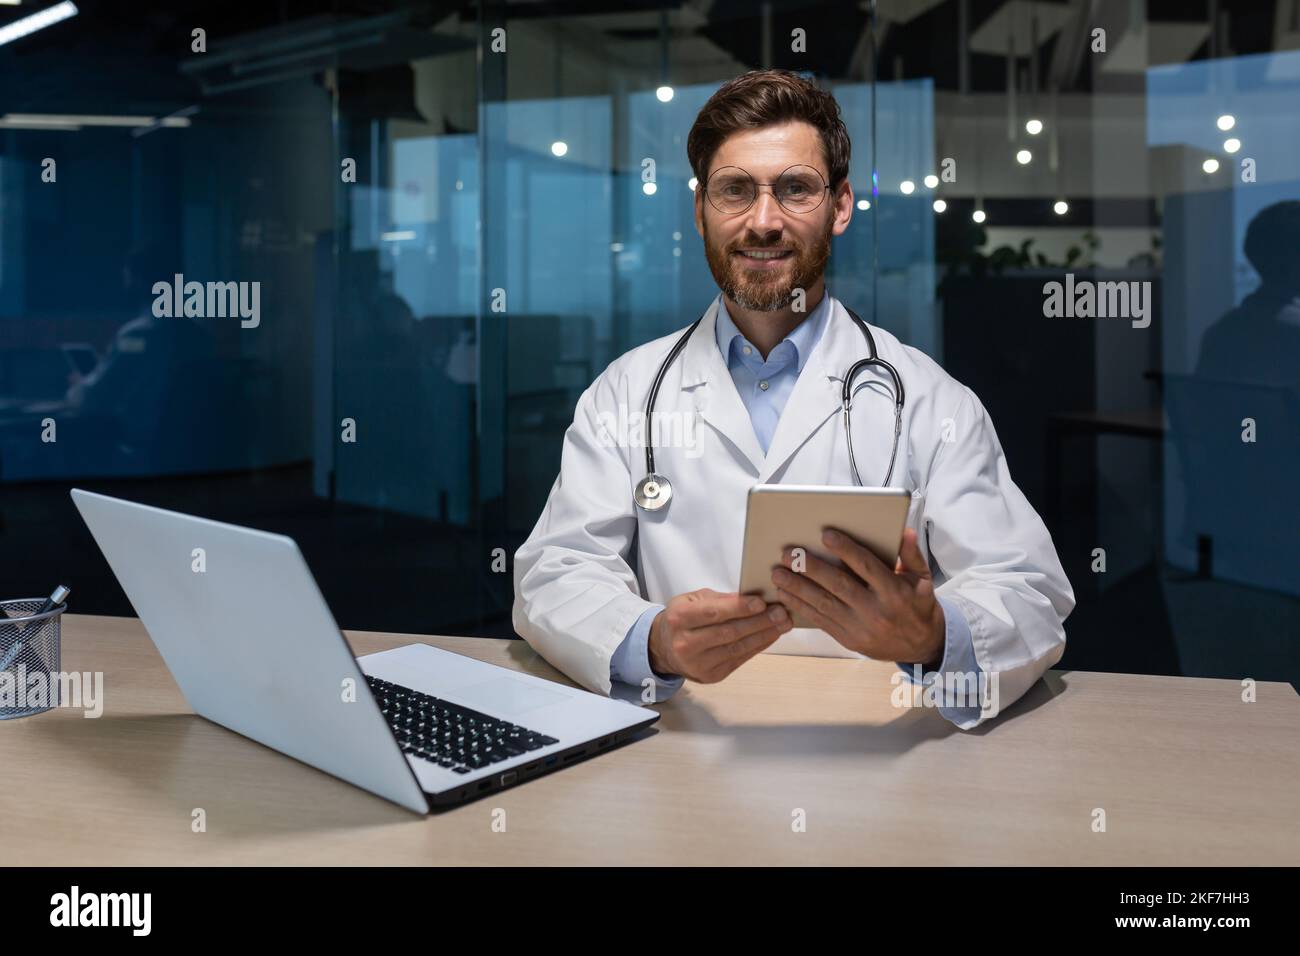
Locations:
(704, 635)
(887, 614)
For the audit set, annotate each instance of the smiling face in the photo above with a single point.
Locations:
(740, 247)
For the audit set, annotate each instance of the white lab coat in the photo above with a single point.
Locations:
(595, 561)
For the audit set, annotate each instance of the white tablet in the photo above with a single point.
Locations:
(780, 515)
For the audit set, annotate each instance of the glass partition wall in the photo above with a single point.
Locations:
(342, 271)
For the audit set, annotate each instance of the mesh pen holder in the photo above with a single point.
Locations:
(29, 644)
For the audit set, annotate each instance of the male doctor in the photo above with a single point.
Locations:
(609, 592)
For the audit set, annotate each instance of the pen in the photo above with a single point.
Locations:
(57, 597)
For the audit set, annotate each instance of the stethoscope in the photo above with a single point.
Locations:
(654, 491)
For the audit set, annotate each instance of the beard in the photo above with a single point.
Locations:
(767, 290)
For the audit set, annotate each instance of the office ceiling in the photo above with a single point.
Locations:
(132, 50)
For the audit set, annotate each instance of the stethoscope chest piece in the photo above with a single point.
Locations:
(653, 492)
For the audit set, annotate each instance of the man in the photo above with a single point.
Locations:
(612, 593)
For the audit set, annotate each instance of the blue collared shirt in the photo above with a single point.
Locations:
(764, 386)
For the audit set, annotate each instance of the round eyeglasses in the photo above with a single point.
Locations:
(799, 189)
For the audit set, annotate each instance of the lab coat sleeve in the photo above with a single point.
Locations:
(631, 662)
(576, 596)
(958, 658)
(996, 559)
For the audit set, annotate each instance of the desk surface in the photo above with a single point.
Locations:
(1186, 773)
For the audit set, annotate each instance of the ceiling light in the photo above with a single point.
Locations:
(37, 21)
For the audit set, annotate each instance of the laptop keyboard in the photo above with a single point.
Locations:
(449, 735)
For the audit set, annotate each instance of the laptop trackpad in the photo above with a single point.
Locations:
(505, 697)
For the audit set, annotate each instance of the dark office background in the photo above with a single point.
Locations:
(522, 171)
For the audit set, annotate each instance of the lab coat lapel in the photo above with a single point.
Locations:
(816, 393)
(706, 378)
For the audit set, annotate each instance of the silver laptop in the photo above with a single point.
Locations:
(239, 621)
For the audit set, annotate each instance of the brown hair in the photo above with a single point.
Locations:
(762, 98)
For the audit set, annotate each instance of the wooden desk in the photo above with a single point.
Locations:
(1186, 772)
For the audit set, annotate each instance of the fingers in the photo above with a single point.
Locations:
(858, 559)
(834, 599)
(724, 659)
(706, 607)
(910, 557)
(808, 614)
(842, 583)
(729, 629)
(810, 590)
(729, 632)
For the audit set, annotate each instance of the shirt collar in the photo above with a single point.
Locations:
(804, 338)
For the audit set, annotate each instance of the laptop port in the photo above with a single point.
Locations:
(484, 785)
(508, 778)
(550, 761)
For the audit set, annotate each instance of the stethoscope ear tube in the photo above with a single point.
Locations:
(847, 399)
(650, 409)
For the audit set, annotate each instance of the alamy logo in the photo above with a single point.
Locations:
(668, 429)
(102, 909)
(1086, 299)
(210, 300)
(957, 689)
(82, 690)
